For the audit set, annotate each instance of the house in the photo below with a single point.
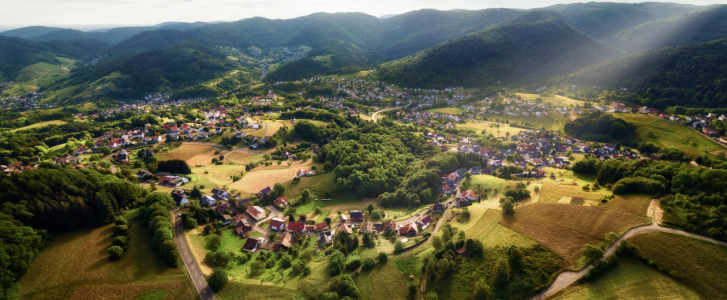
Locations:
(438, 208)
(245, 202)
(324, 239)
(277, 224)
(469, 195)
(296, 227)
(285, 242)
(345, 227)
(281, 201)
(264, 192)
(123, 157)
(462, 251)
(222, 208)
(409, 229)
(462, 203)
(225, 219)
(220, 193)
(253, 244)
(179, 197)
(423, 222)
(142, 173)
(367, 227)
(389, 225)
(208, 201)
(342, 219)
(321, 226)
(302, 173)
(241, 227)
(237, 219)
(356, 215)
(256, 212)
(446, 189)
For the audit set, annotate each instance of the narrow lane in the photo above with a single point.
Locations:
(200, 283)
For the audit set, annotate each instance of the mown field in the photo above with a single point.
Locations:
(566, 228)
(479, 126)
(557, 99)
(40, 124)
(76, 265)
(698, 264)
(665, 133)
(446, 110)
(630, 279)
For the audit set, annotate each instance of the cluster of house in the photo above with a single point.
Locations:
(699, 122)
(29, 101)
(64, 160)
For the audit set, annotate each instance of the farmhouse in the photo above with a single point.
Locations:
(142, 173)
(423, 222)
(462, 203)
(356, 215)
(302, 173)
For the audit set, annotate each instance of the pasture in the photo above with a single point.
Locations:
(40, 124)
(485, 182)
(565, 229)
(557, 99)
(630, 279)
(76, 265)
(665, 133)
(479, 126)
(191, 153)
(261, 177)
(243, 158)
(698, 264)
(446, 110)
(384, 281)
(488, 230)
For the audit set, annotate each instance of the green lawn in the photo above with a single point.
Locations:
(631, 279)
(384, 281)
(337, 199)
(40, 124)
(665, 133)
(484, 182)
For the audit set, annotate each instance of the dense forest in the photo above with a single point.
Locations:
(692, 75)
(598, 126)
(696, 200)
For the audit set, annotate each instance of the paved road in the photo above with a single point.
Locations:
(195, 274)
(565, 279)
(373, 117)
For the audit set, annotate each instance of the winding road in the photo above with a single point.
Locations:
(565, 279)
(373, 117)
(195, 274)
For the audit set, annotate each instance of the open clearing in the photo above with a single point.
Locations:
(76, 266)
(478, 126)
(631, 279)
(259, 178)
(485, 182)
(565, 229)
(488, 230)
(243, 158)
(700, 265)
(446, 110)
(557, 99)
(384, 281)
(188, 151)
(666, 134)
(40, 124)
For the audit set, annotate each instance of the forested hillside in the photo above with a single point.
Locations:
(520, 51)
(693, 75)
(29, 32)
(696, 27)
(17, 53)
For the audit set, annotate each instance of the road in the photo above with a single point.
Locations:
(373, 117)
(565, 279)
(195, 274)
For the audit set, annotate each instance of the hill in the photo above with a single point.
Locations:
(692, 75)
(695, 27)
(17, 53)
(602, 20)
(29, 32)
(165, 69)
(535, 45)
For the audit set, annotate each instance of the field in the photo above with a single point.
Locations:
(76, 265)
(191, 153)
(631, 279)
(558, 100)
(446, 110)
(485, 182)
(666, 134)
(261, 177)
(40, 124)
(316, 184)
(243, 158)
(565, 229)
(703, 268)
(553, 121)
(478, 126)
(488, 230)
(384, 281)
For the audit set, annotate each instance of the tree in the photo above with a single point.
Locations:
(318, 210)
(119, 241)
(413, 289)
(501, 272)
(190, 223)
(218, 280)
(286, 261)
(591, 252)
(536, 189)
(115, 252)
(370, 207)
(368, 263)
(431, 295)
(398, 246)
(196, 193)
(437, 243)
(507, 207)
(121, 221)
(121, 230)
(383, 257)
(482, 290)
(214, 243)
(376, 215)
(336, 263)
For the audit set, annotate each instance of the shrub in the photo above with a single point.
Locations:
(119, 241)
(218, 280)
(376, 215)
(121, 230)
(214, 243)
(121, 221)
(368, 263)
(398, 246)
(116, 252)
(383, 257)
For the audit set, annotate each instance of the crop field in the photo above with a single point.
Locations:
(565, 229)
(261, 177)
(76, 266)
(384, 281)
(40, 124)
(243, 158)
(631, 279)
(492, 234)
(446, 110)
(557, 99)
(188, 152)
(665, 133)
(698, 264)
(635, 204)
(218, 174)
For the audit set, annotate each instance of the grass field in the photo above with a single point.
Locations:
(261, 177)
(488, 230)
(384, 281)
(446, 110)
(565, 229)
(669, 134)
(478, 126)
(700, 265)
(190, 153)
(558, 100)
(76, 265)
(630, 279)
(243, 158)
(40, 124)
(485, 182)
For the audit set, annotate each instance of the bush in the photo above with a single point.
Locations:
(121, 221)
(383, 257)
(119, 241)
(376, 215)
(591, 252)
(398, 246)
(507, 207)
(318, 210)
(286, 261)
(217, 259)
(218, 280)
(354, 264)
(121, 230)
(116, 252)
(214, 243)
(368, 263)
(190, 223)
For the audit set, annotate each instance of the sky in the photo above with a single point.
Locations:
(96, 14)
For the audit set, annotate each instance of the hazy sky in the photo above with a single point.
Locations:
(91, 14)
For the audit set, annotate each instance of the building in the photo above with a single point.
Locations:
(469, 195)
(242, 227)
(389, 225)
(462, 203)
(356, 215)
(409, 229)
(179, 197)
(142, 173)
(256, 212)
(220, 194)
(302, 173)
(438, 208)
(296, 227)
(208, 201)
(281, 201)
(277, 224)
(264, 192)
(423, 222)
(253, 244)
